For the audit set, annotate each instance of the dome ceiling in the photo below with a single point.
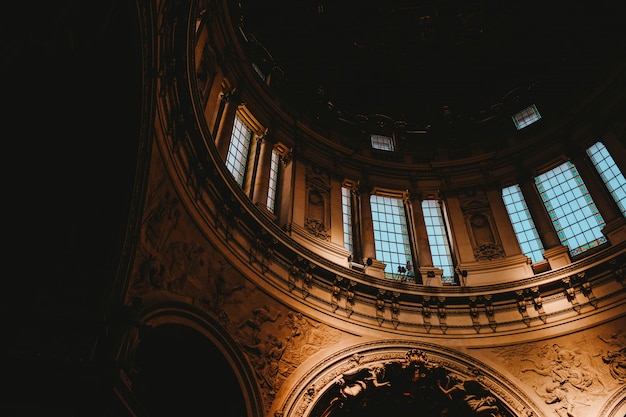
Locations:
(419, 63)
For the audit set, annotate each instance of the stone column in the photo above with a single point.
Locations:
(504, 228)
(421, 236)
(462, 243)
(286, 187)
(425, 271)
(616, 149)
(336, 212)
(367, 224)
(225, 123)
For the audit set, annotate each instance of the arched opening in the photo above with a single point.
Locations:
(180, 372)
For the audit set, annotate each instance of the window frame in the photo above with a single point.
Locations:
(526, 117)
(450, 278)
(564, 212)
(383, 247)
(377, 143)
(531, 247)
(608, 165)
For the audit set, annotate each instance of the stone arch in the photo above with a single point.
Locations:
(615, 406)
(203, 359)
(422, 373)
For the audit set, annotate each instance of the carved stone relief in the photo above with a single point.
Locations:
(415, 385)
(317, 218)
(571, 374)
(277, 342)
(174, 261)
(481, 226)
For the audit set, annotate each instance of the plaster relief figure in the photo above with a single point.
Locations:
(355, 383)
(301, 330)
(472, 393)
(556, 394)
(266, 358)
(162, 218)
(261, 315)
(303, 338)
(415, 386)
(567, 368)
(185, 260)
(616, 359)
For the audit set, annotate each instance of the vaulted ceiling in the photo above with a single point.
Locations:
(427, 62)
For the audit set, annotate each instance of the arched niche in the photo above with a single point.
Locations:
(185, 364)
(616, 404)
(404, 379)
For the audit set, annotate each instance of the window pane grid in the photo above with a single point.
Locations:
(438, 239)
(526, 117)
(391, 236)
(238, 150)
(576, 219)
(522, 222)
(273, 185)
(610, 174)
(346, 205)
(384, 143)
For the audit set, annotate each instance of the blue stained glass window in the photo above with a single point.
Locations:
(391, 236)
(522, 222)
(610, 173)
(573, 213)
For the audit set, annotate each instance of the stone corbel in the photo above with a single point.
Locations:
(522, 304)
(538, 303)
(395, 309)
(474, 313)
(570, 294)
(426, 313)
(441, 313)
(380, 306)
(335, 294)
(350, 298)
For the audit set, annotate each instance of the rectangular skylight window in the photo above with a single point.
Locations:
(526, 117)
(384, 143)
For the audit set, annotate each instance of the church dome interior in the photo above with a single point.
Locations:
(314, 208)
(456, 70)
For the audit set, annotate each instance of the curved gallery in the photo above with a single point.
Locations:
(257, 242)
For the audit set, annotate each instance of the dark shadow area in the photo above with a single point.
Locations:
(181, 373)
